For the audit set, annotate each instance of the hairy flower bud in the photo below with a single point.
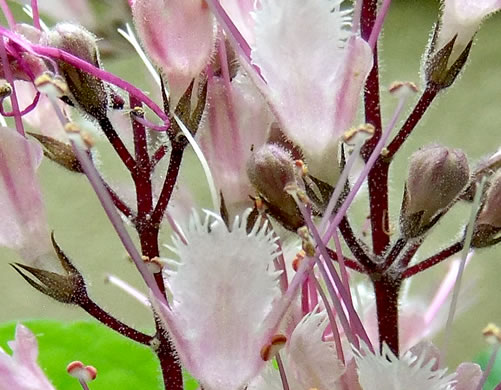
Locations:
(88, 92)
(271, 170)
(488, 223)
(436, 177)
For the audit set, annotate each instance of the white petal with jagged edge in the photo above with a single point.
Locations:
(410, 372)
(223, 289)
(300, 50)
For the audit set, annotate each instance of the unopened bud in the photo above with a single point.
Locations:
(436, 177)
(68, 287)
(59, 152)
(271, 170)
(88, 92)
(488, 223)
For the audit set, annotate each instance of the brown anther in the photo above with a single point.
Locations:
(384, 152)
(302, 167)
(50, 85)
(5, 90)
(260, 206)
(402, 88)
(296, 263)
(269, 351)
(154, 264)
(492, 333)
(307, 243)
(87, 139)
(358, 134)
(138, 111)
(71, 128)
(78, 370)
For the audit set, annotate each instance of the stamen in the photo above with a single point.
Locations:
(464, 254)
(124, 286)
(378, 24)
(83, 373)
(35, 14)
(281, 370)
(104, 197)
(269, 351)
(492, 335)
(8, 14)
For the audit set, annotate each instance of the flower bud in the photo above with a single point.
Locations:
(488, 223)
(271, 170)
(178, 35)
(67, 287)
(59, 152)
(88, 92)
(436, 177)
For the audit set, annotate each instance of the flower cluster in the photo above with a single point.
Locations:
(258, 292)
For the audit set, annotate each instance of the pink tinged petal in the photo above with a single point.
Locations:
(310, 359)
(468, 376)
(410, 372)
(23, 226)
(179, 37)
(463, 17)
(219, 337)
(43, 119)
(240, 12)
(300, 51)
(236, 121)
(21, 371)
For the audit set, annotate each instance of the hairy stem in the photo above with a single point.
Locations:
(387, 290)
(433, 260)
(111, 322)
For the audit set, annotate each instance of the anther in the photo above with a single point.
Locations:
(269, 351)
(403, 89)
(296, 263)
(53, 86)
(84, 373)
(357, 135)
(5, 90)
(492, 334)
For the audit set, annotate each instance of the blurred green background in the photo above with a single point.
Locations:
(467, 116)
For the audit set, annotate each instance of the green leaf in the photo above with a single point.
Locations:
(121, 363)
(495, 375)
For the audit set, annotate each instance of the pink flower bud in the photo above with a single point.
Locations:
(436, 177)
(179, 37)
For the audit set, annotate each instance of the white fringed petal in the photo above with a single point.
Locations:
(313, 360)
(301, 50)
(410, 372)
(223, 289)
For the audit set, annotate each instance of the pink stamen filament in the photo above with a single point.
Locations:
(488, 369)
(36, 15)
(116, 221)
(13, 97)
(281, 369)
(27, 110)
(365, 172)
(332, 322)
(378, 24)
(8, 14)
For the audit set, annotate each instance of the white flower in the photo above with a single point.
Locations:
(223, 287)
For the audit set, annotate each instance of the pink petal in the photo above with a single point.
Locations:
(178, 35)
(23, 225)
(468, 376)
(238, 120)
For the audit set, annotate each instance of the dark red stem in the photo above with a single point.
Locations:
(395, 250)
(159, 154)
(353, 244)
(111, 322)
(119, 204)
(117, 143)
(386, 290)
(433, 260)
(422, 105)
(176, 156)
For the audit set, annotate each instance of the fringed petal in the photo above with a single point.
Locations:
(223, 289)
